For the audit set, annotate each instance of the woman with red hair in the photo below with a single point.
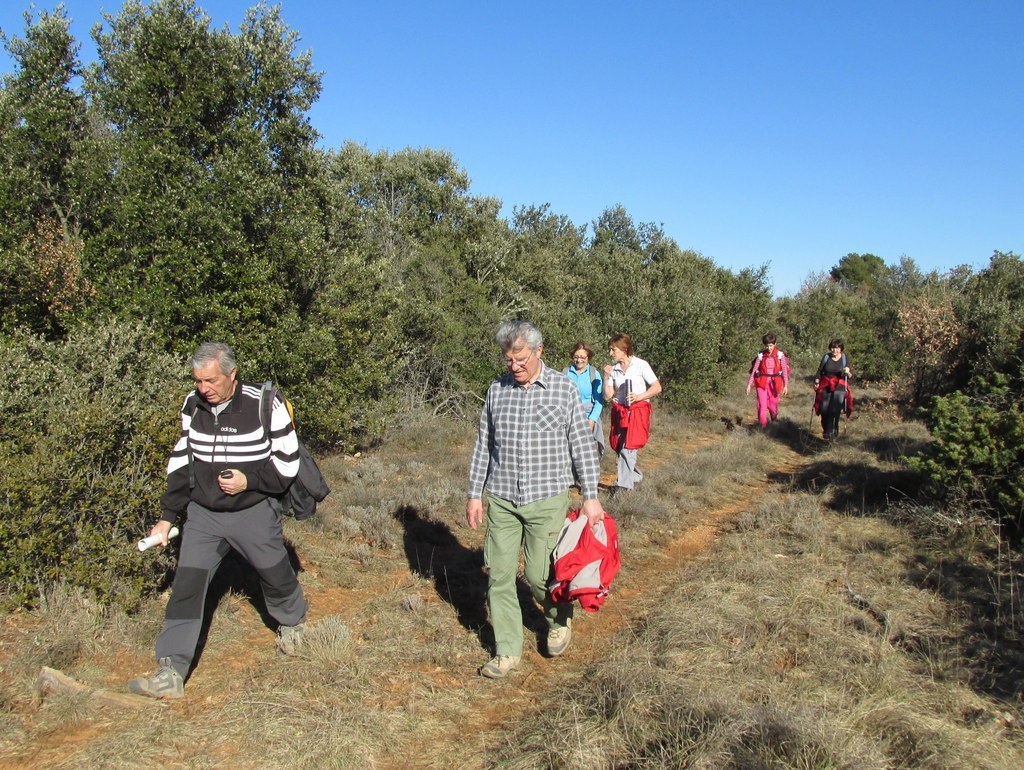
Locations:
(629, 386)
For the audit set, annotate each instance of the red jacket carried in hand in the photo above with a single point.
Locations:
(586, 561)
(635, 420)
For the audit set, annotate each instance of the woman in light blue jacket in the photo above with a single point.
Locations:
(588, 382)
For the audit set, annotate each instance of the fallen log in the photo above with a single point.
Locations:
(53, 682)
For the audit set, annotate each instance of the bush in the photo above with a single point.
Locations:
(87, 427)
(978, 454)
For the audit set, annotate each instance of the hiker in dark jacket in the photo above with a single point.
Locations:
(832, 394)
(224, 470)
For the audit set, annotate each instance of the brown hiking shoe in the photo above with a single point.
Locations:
(500, 666)
(165, 682)
(289, 639)
(559, 638)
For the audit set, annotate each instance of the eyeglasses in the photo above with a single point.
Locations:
(580, 358)
(514, 363)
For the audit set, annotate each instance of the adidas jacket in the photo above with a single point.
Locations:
(233, 439)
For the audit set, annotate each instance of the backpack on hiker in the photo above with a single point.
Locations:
(309, 487)
(825, 358)
(757, 365)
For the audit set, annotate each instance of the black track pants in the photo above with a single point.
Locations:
(832, 406)
(208, 537)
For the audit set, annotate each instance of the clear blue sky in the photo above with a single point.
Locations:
(789, 133)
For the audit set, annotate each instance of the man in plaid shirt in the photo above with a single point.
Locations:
(532, 434)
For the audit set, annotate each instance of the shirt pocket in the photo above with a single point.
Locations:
(547, 418)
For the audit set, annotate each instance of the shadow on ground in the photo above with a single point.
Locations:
(856, 489)
(989, 600)
(797, 437)
(434, 552)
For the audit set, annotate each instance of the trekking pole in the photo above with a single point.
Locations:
(814, 400)
(849, 394)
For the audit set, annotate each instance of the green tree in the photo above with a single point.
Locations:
(858, 270)
(213, 226)
(47, 146)
(611, 278)
(88, 425)
(978, 453)
(545, 267)
(991, 310)
(43, 122)
(441, 248)
(865, 314)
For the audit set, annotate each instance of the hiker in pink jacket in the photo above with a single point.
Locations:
(770, 373)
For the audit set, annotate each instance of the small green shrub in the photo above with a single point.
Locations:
(978, 454)
(87, 427)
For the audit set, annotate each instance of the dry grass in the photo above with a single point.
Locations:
(821, 630)
(801, 641)
(759, 657)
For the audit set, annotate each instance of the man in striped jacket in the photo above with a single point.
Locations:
(224, 471)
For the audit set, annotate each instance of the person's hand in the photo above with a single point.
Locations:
(161, 528)
(591, 423)
(785, 390)
(232, 482)
(474, 512)
(748, 390)
(608, 370)
(846, 371)
(593, 510)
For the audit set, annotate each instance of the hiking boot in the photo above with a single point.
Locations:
(500, 666)
(289, 639)
(164, 683)
(559, 638)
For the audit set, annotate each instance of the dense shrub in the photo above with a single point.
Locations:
(960, 325)
(978, 453)
(87, 425)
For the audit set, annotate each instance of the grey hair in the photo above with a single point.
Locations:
(219, 353)
(513, 334)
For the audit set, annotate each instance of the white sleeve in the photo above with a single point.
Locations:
(648, 374)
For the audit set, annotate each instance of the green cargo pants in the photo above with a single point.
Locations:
(534, 527)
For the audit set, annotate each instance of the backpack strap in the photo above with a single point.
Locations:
(267, 394)
(192, 400)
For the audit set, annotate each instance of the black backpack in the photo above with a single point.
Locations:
(309, 486)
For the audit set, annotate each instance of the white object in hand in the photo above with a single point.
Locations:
(149, 542)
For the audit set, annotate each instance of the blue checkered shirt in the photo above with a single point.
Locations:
(529, 440)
